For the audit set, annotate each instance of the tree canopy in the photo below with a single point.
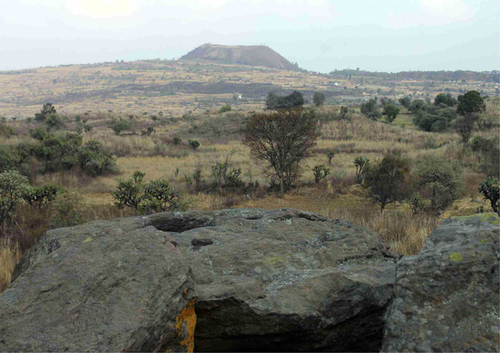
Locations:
(294, 99)
(470, 103)
(283, 139)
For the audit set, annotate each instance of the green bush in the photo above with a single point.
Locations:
(94, 161)
(54, 122)
(119, 126)
(225, 108)
(48, 109)
(38, 134)
(194, 144)
(490, 190)
(155, 197)
(12, 189)
(225, 178)
(42, 196)
(386, 179)
(177, 140)
(320, 172)
(438, 180)
(371, 110)
(418, 203)
(391, 112)
(59, 152)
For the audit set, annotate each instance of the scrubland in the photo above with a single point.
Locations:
(189, 172)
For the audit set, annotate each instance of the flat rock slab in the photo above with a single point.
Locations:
(116, 285)
(283, 280)
(447, 296)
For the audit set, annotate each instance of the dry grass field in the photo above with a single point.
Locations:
(191, 116)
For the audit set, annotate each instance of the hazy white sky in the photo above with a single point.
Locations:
(321, 35)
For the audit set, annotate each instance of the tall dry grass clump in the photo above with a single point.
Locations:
(9, 257)
(404, 231)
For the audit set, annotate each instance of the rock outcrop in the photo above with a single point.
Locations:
(253, 280)
(280, 280)
(447, 296)
(283, 280)
(104, 286)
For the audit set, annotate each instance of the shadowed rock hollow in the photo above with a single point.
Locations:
(284, 280)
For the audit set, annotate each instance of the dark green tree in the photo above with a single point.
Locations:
(405, 101)
(390, 112)
(447, 99)
(470, 103)
(319, 99)
(385, 179)
(48, 109)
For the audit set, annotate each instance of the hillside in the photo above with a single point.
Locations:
(254, 55)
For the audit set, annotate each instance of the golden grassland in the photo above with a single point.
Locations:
(336, 197)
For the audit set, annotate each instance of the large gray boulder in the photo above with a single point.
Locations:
(283, 280)
(104, 286)
(447, 296)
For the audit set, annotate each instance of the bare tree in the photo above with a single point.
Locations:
(283, 139)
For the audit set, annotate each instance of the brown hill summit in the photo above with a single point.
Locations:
(254, 55)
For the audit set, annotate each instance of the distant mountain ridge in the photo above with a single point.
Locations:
(254, 55)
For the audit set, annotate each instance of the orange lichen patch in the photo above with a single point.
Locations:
(187, 321)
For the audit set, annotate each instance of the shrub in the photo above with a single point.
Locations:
(371, 110)
(320, 172)
(330, 155)
(42, 196)
(319, 99)
(465, 127)
(12, 189)
(225, 178)
(438, 180)
(391, 112)
(490, 190)
(361, 163)
(416, 105)
(225, 108)
(405, 101)
(446, 99)
(38, 134)
(6, 131)
(147, 132)
(59, 152)
(177, 140)
(155, 197)
(48, 109)
(118, 126)
(94, 161)
(54, 122)
(385, 179)
(194, 144)
(293, 100)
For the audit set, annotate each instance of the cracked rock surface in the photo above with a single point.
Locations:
(282, 280)
(116, 285)
(447, 296)
(285, 280)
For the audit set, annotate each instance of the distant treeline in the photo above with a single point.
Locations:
(18, 72)
(485, 76)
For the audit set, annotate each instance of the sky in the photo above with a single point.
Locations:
(320, 35)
